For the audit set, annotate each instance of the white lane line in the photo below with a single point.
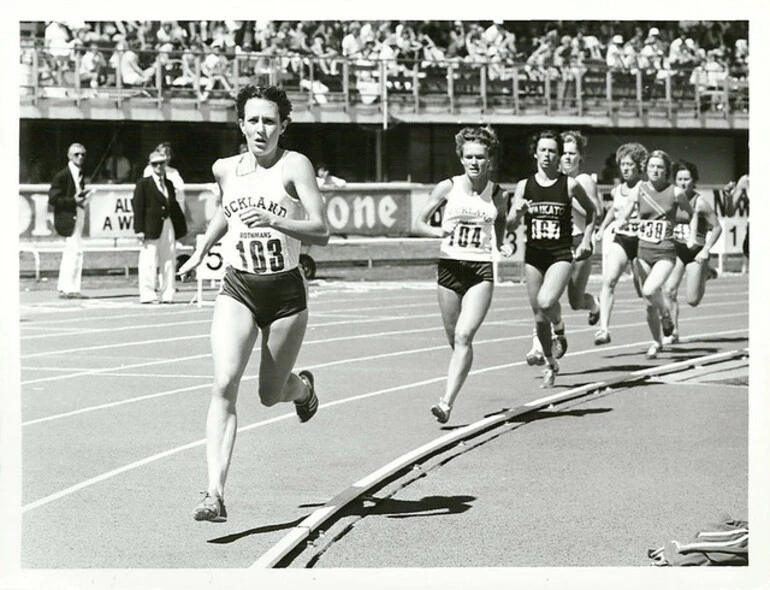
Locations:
(318, 366)
(510, 322)
(94, 480)
(116, 329)
(74, 331)
(199, 336)
(83, 371)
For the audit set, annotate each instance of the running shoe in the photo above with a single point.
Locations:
(559, 345)
(307, 409)
(593, 316)
(602, 337)
(549, 375)
(441, 411)
(711, 273)
(653, 350)
(673, 339)
(535, 357)
(667, 324)
(211, 508)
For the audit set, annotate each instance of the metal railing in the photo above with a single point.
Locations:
(390, 87)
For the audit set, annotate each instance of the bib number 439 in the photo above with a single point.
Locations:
(257, 255)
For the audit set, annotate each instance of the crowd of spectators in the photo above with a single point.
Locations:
(704, 51)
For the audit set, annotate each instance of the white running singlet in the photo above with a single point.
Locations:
(471, 219)
(259, 250)
(619, 202)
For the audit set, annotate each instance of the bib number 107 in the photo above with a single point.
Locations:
(256, 255)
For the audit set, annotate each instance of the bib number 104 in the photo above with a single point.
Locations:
(256, 255)
(466, 235)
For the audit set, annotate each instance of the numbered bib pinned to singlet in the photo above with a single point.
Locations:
(682, 232)
(466, 235)
(545, 229)
(652, 230)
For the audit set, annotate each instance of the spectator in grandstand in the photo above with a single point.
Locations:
(159, 223)
(473, 226)
(57, 47)
(270, 205)
(456, 47)
(92, 62)
(67, 197)
(117, 167)
(352, 43)
(171, 32)
(614, 57)
(215, 68)
(710, 78)
(681, 54)
(324, 55)
(186, 67)
(126, 61)
(326, 179)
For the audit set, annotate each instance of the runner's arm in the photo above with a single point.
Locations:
(436, 199)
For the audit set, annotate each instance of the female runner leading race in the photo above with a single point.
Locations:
(270, 204)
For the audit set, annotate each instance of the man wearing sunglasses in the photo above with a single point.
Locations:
(67, 197)
(159, 223)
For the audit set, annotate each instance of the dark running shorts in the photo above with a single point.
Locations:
(541, 258)
(653, 255)
(630, 245)
(461, 275)
(268, 297)
(685, 254)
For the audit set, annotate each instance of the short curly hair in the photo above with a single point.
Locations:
(689, 166)
(547, 134)
(580, 140)
(636, 151)
(483, 135)
(272, 93)
(667, 162)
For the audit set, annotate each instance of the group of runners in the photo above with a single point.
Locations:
(663, 228)
(271, 204)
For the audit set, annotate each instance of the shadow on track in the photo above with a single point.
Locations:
(256, 531)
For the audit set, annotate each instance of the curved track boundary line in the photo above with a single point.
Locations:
(313, 522)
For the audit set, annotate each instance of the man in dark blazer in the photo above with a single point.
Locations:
(67, 197)
(159, 223)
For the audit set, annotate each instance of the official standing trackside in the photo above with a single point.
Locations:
(67, 197)
(159, 222)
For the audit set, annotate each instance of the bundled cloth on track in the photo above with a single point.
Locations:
(723, 543)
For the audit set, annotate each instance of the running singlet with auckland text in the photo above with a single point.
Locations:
(549, 216)
(471, 220)
(259, 250)
(682, 227)
(657, 214)
(619, 202)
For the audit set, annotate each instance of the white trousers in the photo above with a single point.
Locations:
(158, 255)
(71, 266)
